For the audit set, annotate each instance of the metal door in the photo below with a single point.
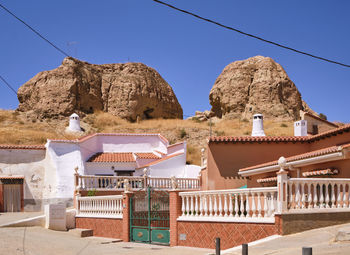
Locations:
(149, 217)
(12, 197)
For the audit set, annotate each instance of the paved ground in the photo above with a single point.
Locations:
(321, 241)
(41, 241)
(11, 217)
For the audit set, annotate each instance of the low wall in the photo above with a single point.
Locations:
(203, 234)
(103, 227)
(294, 223)
(84, 193)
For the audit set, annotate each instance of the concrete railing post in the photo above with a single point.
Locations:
(282, 179)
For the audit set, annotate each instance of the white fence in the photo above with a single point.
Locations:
(236, 205)
(92, 182)
(310, 195)
(100, 206)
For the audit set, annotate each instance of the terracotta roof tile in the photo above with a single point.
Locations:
(11, 177)
(22, 147)
(160, 160)
(147, 155)
(112, 157)
(267, 179)
(310, 154)
(242, 139)
(321, 172)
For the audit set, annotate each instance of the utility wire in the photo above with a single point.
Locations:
(250, 35)
(36, 32)
(8, 85)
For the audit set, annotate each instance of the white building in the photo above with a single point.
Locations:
(47, 172)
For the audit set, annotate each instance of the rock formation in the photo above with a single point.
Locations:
(126, 90)
(256, 85)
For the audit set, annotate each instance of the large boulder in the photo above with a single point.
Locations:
(128, 90)
(256, 85)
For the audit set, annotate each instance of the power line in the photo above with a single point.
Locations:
(8, 85)
(251, 35)
(36, 32)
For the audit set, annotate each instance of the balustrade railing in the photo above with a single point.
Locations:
(100, 206)
(92, 182)
(237, 205)
(318, 194)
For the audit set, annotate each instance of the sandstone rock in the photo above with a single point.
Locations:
(126, 90)
(255, 85)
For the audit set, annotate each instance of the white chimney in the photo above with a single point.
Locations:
(258, 125)
(74, 123)
(300, 128)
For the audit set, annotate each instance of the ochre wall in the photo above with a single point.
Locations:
(203, 234)
(225, 159)
(330, 141)
(103, 227)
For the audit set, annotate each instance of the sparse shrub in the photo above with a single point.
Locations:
(284, 125)
(245, 120)
(219, 133)
(211, 124)
(92, 193)
(323, 116)
(182, 133)
(247, 133)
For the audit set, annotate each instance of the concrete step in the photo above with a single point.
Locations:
(104, 240)
(81, 232)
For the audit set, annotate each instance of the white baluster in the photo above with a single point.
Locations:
(183, 205)
(236, 206)
(314, 202)
(220, 205)
(327, 195)
(309, 196)
(290, 195)
(302, 195)
(265, 209)
(196, 206)
(215, 206)
(210, 206)
(297, 196)
(201, 213)
(344, 195)
(333, 195)
(259, 205)
(339, 199)
(253, 206)
(322, 202)
(192, 206)
(206, 205)
(247, 206)
(225, 204)
(242, 205)
(272, 207)
(188, 205)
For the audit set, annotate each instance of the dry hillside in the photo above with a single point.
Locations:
(20, 128)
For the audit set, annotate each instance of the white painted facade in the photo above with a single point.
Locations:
(74, 123)
(49, 174)
(300, 128)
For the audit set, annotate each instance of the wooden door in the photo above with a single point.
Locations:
(12, 197)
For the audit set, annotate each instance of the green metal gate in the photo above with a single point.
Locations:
(149, 217)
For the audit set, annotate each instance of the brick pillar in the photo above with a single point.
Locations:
(279, 224)
(175, 212)
(1, 197)
(126, 216)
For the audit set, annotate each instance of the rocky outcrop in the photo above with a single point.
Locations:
(256, 85)
(128, 90)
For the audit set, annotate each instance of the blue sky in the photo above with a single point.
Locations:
(188, 53)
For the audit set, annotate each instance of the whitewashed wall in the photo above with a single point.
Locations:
(177, 148)
(64, 157)
(31, 164)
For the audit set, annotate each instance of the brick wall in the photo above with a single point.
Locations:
(112, 228)
(203, 234)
